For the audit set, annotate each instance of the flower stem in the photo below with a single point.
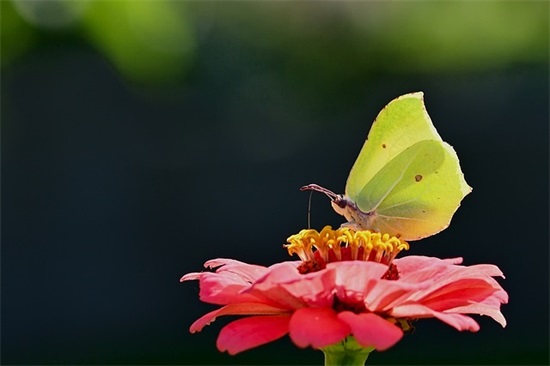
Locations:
(346, 353)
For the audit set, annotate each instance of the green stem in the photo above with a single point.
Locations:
(346, 353)
(346, 359)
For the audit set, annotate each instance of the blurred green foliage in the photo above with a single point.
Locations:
(152, 42)
(147, 40)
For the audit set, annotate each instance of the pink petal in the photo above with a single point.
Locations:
(354, 276)
(416, 269)
(385, 294)
(449, 285)
(361, 281)
(191, 276)
(499, 297)
(222, 288)
(204, 320)
(279, 273)
(459, 286)
(458, 293)
(314, 289)
(459, 321)
(243, 334)
(482, 309)
(248, 272)
(271, 286)
(416, 263)
(234, 309)
(225, 285)
(485, 270)
(318, 327)
(456, 273)
(371, 330)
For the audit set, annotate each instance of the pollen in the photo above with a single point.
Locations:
(331, 245)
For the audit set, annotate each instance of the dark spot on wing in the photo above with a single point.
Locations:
(383, 146)
(418, 177)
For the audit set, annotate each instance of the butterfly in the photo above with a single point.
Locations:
(406, 181)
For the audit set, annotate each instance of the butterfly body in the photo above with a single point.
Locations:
(406, 180)
(357, 219)
(343, 205)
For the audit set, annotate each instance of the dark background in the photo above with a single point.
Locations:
(140, 139)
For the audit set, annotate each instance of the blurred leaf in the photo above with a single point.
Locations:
(332, 41)
(452, 36)
(320, 46)
(51, 13)
(16, 35)
(148, 41)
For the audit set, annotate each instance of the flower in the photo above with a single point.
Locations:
(349, 286)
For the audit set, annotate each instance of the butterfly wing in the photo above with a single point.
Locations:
(417, 192)
(401, 124)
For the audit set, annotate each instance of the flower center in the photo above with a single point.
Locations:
(316, 249)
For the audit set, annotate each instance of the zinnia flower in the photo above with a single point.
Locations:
(349, 287)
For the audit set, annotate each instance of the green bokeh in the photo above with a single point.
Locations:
(329, 43)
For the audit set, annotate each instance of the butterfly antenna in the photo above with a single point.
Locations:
(309, 211)
(314, 187)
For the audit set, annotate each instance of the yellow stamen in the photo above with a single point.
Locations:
(375, 246)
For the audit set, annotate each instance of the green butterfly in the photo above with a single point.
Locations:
(406, 180)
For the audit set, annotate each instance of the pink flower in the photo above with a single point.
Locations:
(337, 292)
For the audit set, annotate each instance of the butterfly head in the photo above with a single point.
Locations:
(344, 206)
(339, 202)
